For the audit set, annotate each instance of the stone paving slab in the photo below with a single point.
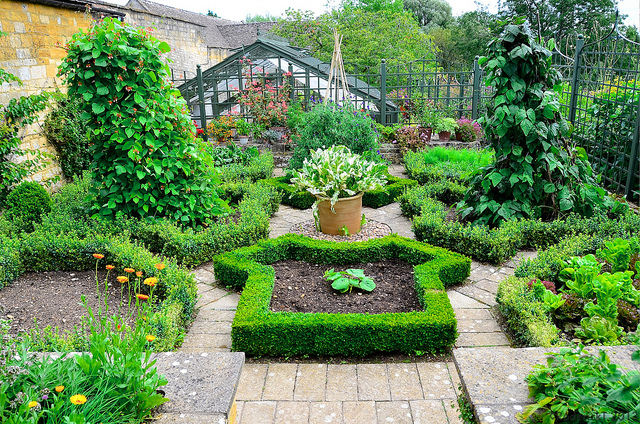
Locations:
(292, 412)
(359, 412)
(373, 382)
(478, 326)
(258, 413)
(461, 301)
(488, 285)
(428, 412)
(210, 296)
(204, 342)
(252, 382)
(226, 303)
(215, 315)
(204, 383)
(493, 378)
(210, 327)
(436, 381)
(482, 339)
(280, 382)
(473, 314)
(404, 382)
(478, 294)
(325, 412)
(310, 382)
(398, 412)
(342, 383)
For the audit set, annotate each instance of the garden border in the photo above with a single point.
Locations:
(258, 331)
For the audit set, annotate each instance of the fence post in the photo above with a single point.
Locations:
(383, 92)
(203, 109)
(634, 160)
(292, 83)
(574, 79)
(475, 98)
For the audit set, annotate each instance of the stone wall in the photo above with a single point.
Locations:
(28, 51)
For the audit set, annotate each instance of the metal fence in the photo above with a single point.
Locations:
(601, 98)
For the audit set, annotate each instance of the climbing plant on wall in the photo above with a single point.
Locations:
(537, 172)
(147, 159)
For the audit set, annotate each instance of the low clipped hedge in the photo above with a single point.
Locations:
(258, 168)
(258, 331)
(44, 251)
(10, 264)
(525, 315)
(373, 199)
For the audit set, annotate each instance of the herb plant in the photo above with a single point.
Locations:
(147, 160)
(346, 280)
(537, 173)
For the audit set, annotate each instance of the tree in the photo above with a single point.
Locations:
(210, 13)
(430, 13)
(563, 19)
(262, 18)
(368, 37)
(374, 5)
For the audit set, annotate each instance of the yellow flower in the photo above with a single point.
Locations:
(33, 404)
(139, 273)
(122, 279)
(78, 399)
(151, 281)
(59, 389)
(150, 338)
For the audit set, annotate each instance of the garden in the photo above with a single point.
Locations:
(148, 197)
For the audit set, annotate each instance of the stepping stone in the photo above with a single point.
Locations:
(478, 326)
(483, 314)
(359, 412)
(226, 303)
(210, 296)
(482, 339)
(493, 377)
(198, 342)
(201, 387)
(478, 294)
(488, 285)
(460, 301)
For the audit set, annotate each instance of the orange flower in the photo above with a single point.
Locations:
(129, 270)
(122, 279)
(139, 273)
(160, 266)
(150, 338)
(98, 255)
(59, 389)
(110, 267)
(142, 296)
(151, 281)
(33, 403)
(78, 399)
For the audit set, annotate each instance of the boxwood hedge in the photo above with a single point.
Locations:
(258, 331)
(373, 199)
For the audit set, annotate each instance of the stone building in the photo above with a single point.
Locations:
(33, 27)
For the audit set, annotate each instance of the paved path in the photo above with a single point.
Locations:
(420, 392)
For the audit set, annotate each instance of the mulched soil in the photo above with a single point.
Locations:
(54, 299)
(301, 287)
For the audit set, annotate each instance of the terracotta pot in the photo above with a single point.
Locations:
(426, 132)
(458, 136)
(348, 214)
(444, 135)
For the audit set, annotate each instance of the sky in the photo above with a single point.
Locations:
(238, 11)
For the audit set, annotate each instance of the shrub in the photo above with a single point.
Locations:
(258, 331)
(254, 168)
(69, 134)
(451, 164)
(26, 204)
(410, 139)
(524, 314)
(10, 264)
(148, 161)
(468, 130)
(219, 129)
(447, 192)
(329, 125)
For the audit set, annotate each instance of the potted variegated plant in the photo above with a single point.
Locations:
(338, 178)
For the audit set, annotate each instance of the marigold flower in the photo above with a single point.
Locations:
(139, 273)
(122, 279)
(151, 281)
(110, 267)
(150, 338)
(160, 266)
(142, 296)
(129, 270)
(78, 399)
(98, 255)
(58, 389)
(33, 403)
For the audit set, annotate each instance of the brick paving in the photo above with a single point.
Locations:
(351, 393)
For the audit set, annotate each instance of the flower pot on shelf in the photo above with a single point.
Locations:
(444, 135)
(243, 139)
(348, 213)
(425, 133)
(458, 136)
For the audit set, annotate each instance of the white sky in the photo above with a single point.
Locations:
(238, 11)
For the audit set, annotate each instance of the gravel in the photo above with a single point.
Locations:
(370, 230)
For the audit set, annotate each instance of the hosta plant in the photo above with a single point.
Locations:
(147, 160)
(337, 173)
(346, 280)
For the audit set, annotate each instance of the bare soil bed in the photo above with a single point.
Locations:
(54, 299)
(301, 287)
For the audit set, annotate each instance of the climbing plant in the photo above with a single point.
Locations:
(537, 172)
(147, 159)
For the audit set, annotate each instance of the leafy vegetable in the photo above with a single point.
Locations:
(347, 280)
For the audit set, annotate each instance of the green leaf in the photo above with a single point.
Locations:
(549, 188)
(102, 91)
(367, 284)
(526, 126)
(495, 178)
(164, 47)
(129, 132)
(97, 108)
(138, 98)
(341, 284)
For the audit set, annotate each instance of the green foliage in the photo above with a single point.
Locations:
(368, 36)
(525, 314)
(148, 161)
(250, 165)
(411, 139)
(10, 263)
(445, 125)
(599, 330)
(619, 253)
(413, 199)
(258, 331)
(536, 173)
(583, 387)
(68, 133)
(346, 280)
(430, 13)
(444, 163)
(330, 125)
(26, 204)
(337, 173)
